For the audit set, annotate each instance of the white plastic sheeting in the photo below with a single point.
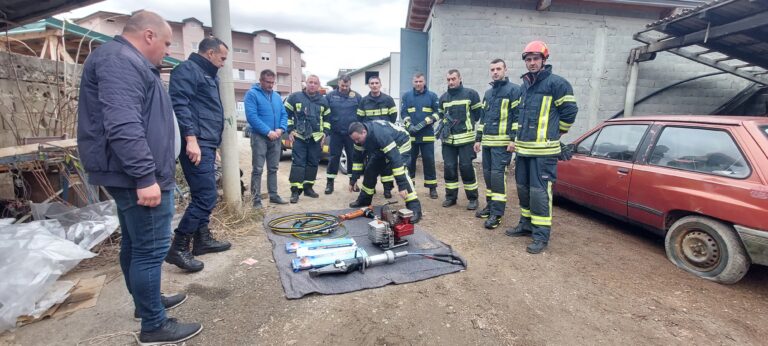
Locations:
(34, 255)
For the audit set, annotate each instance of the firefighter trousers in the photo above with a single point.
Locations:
(535, 177)
(377, 165)
(338, 143)
(305, 156)
(458, 158)
(495, 162)
(427, 150)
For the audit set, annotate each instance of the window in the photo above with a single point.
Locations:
(701, 150)
(266, 56)
(241, 107)
(369, 74)
(280, 60)
(195, 45)
(281, 79)
(264, 39)
(618, 142)
(585, 146)
(240, 50)
(241, 74)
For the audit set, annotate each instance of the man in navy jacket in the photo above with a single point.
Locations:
(194, 90)
(125, 136)
(268, 120)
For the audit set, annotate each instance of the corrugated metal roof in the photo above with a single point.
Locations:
(718, 34)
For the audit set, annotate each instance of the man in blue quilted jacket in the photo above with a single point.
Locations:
(268, 120)
(194, 90)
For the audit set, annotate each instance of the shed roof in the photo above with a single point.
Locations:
(729, 35)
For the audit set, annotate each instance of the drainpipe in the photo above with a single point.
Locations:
(629, 99)
(230, 156)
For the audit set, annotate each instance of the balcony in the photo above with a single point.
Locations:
(283, 88)
(283, 70)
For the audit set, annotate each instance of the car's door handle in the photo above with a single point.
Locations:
(623, 170)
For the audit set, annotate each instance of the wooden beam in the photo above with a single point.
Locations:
(543, 5)
(63, 54)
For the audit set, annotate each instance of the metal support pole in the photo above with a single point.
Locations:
(230, 155)
(629, 99)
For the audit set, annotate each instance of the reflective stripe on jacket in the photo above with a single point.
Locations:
(547, 108)
(415, 107)
(306, 115)
(380, 107)
(459, 110)
(498, 126)
(384, 141)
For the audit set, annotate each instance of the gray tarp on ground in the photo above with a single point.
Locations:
(404, 270)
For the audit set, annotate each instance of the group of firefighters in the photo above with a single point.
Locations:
(525, 119)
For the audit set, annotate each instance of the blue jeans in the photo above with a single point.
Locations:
(202, 187)
(146, 238)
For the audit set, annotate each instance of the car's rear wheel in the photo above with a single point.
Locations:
(343, 162)
(707, 248)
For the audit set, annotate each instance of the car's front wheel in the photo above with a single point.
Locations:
(707, 248)
(343, 162)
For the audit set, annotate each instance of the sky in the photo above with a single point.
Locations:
(333, 34)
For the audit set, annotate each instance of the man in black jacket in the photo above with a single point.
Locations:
(495, 135)
(459, 108)
(194, 90)
(387, 147)
(379, 106)
(307, 112)
(343, 104)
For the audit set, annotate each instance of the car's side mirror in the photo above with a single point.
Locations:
(571, 147)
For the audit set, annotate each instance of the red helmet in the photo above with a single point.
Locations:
(536, 47)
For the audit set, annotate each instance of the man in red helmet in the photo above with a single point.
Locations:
(546, 111)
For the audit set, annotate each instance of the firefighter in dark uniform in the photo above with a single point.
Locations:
(546, 111)
(307, 127)
(419, 109)
(495, 134)
(379, 106)
(459, 108)
(388, 147)
(343, 103)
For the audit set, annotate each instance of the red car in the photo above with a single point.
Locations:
(700, 180)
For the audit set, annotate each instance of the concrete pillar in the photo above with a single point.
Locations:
(629, 99)
(230, 155)
(596, 77)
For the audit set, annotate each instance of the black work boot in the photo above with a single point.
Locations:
(484, 213)
(523, 229)
(472, 205)
(295, 193)
(169, 302)
(387, 193)
(433, 193)
(309, 192)
(205, 242)
(171, 332)
(415, 207)
(359, 204)
(536, 246)
(180, 256)
(449, 202)
(492, 222)
(329, 186)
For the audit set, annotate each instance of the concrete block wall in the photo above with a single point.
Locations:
(33, 99)
(589, 44)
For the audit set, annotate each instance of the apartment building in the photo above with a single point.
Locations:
(250, 52)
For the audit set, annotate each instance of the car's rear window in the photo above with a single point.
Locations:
(702, 150)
